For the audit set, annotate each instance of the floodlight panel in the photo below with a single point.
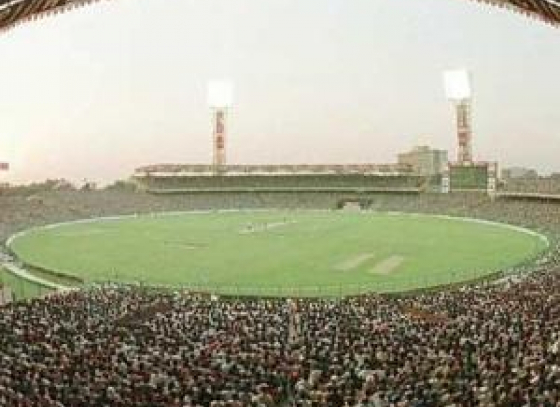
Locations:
(457, 84)
(220, 94)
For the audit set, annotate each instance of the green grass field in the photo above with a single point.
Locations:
(280, 252)
(21, 289)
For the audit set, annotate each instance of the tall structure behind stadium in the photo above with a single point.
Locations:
(458, 91)
(425, 160)
(465, 174)
(220, 99)
(13, 12)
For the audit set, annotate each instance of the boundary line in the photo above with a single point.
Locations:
(22, 273)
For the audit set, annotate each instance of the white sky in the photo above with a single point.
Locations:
(98, 91)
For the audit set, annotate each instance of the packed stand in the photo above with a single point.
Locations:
(490, 346)
(126, 347)
(539, 185)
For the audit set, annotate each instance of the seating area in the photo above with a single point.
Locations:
(541, 185)
(300, 182)
(116, 346)
(20, 210)
(460, 313)
(491, 344)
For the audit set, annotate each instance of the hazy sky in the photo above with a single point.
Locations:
(98, 91)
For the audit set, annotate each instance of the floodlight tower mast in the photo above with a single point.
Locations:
(464, 131)
(219, 117)
(458, 90)
(219, 99)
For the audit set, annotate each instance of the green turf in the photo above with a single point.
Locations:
(306, 253)
(21, 288)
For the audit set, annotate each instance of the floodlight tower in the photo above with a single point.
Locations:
(458, 90)
(220, 98)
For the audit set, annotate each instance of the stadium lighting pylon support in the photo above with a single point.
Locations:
(220, 99)
(458, 90)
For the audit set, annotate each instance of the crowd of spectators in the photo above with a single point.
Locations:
(23, 210)
(482, 346)
(126, 347)
(284, 182)
(488, 345)
(537, 185)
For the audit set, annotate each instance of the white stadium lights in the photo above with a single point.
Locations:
(457, 84)
(220, 94)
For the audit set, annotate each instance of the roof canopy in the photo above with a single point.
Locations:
(13, 12)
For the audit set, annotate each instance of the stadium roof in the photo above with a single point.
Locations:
(13, 12)
(171, 170)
